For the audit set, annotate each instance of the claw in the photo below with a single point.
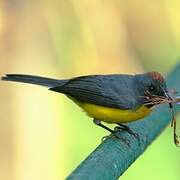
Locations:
(119, 128)
(126, 141)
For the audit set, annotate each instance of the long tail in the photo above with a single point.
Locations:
(47, 82)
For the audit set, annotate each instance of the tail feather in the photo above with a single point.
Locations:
(43, 81)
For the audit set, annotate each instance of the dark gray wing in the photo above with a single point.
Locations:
(113, 91)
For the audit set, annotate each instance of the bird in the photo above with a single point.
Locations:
(109, 98)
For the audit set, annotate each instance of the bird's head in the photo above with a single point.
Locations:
(152, 87)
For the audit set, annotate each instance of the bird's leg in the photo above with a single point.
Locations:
(126, 128)
(98, 122)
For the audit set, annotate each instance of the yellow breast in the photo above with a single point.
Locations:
(113, 115)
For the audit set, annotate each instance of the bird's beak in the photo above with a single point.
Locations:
(168, 96)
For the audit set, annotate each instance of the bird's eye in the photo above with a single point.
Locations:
(152, 88)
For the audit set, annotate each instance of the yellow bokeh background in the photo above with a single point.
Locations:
(43, 135)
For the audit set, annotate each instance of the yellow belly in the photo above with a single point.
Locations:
(112, 115)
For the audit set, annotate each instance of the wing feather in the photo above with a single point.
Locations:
(105, 90)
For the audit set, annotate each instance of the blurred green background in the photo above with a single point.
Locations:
(43, 135)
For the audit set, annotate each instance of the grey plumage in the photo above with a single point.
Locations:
(115, 91)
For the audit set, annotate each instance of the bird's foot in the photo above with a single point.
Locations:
(123, 127)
